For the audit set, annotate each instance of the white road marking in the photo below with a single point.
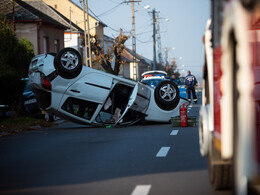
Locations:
(163, 152)
(174, 132)
(141, 190)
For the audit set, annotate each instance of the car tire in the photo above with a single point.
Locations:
(68, 63)
(166, 95)
(220, 172)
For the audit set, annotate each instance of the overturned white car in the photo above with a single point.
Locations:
(65, 88)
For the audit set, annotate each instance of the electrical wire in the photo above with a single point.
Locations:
(110, 10)
(144, 32)
(148, 41)
(95, 15)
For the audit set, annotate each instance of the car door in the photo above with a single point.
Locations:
(139, 100)
(84, 98)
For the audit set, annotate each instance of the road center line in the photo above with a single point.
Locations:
(141, 190)
(163, 152)
(174, 132)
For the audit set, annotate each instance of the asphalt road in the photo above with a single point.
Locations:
(75, 159)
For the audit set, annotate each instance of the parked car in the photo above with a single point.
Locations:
(4, 109)
(31, 105)
(65, 88)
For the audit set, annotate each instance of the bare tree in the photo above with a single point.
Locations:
(105, 59)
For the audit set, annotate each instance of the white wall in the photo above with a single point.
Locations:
(71, 40)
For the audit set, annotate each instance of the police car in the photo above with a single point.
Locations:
(153, 77)
(180, 82)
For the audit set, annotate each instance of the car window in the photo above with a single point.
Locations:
(103, 116)
(80, 108)
(180, 80)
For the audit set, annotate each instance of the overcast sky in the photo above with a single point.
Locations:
(183, 30)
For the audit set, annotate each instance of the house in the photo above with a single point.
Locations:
(59, 24)
(70, 10)
(142, 64)
(36, 21)
(108, 43)
(74, 12)
(72, 38)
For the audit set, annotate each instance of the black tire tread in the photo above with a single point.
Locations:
(68, 74)
(163, 104)
(220, 175)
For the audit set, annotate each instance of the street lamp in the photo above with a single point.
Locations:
(146, 7)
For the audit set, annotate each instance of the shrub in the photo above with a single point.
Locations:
(12, 88)
(15, 55)
(14, 64)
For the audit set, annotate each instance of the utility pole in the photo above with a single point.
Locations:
(166, 56)
(159, 40)
(154, 40)
(134, 42)
(86, 35)
(135, 68)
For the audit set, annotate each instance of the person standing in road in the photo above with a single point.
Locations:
(190, 83)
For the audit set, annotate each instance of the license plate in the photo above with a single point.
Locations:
(30, 101)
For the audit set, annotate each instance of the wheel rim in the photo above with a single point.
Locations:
(69, 60)
(167, 92)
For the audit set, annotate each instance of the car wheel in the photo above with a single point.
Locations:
(166, 95)
(68, 63)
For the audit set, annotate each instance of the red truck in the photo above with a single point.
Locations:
(229, 128)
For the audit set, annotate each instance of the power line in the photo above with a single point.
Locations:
(144, 32)
(95, 15)
(113, 1)
(148, 41)
(106, 12)
(113, 29)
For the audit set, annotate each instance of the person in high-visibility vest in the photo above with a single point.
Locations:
(190, 83)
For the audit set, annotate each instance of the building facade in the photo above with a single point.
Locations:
(37, 22)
